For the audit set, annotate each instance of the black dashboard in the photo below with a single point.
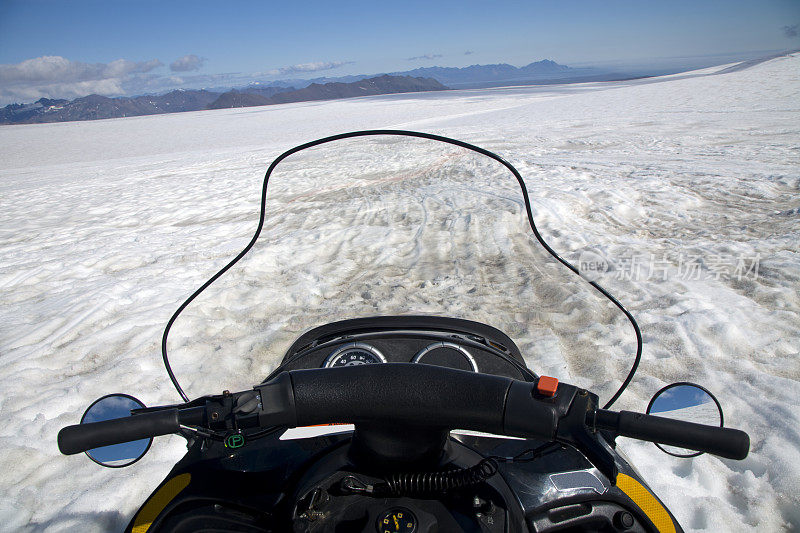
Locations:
(453, 343)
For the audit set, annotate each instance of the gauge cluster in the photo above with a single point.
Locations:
(370, 341)
(439, 353)
(408, 347)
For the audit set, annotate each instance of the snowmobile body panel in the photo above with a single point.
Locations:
(253, 490)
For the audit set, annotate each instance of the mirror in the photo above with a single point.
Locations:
(688, 402)
(108, 408)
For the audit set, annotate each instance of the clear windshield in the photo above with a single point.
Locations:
(388, 225)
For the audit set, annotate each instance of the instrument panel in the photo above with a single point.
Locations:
(422, 339)
(440, 353)
(421, 347)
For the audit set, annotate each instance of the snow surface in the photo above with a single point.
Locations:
(106, 226)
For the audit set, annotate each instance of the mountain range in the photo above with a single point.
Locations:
(474, 75)
(328, 91)
(477, 74)
(94, 106)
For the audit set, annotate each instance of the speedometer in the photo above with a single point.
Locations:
(355, 353)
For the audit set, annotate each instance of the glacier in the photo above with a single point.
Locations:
(106, 226)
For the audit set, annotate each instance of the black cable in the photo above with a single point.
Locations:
(420, 135)
(421, 483)
(437, 482)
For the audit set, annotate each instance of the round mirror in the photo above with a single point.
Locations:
(688, 402)
(108, 408)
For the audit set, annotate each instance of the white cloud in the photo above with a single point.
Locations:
(27, 94)
(426, 56)
(57, 69)
(187, 63)
(58, 77)
(306, 67)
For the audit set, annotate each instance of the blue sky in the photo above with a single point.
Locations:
(680, 397)
(222, 43)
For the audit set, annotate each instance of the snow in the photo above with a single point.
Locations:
(106, 226)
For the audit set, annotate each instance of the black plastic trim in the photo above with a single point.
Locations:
(419, 322)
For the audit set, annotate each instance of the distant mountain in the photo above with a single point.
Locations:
(367, 87)
(267, 91)
(479, 74)
(385, 84)
(252, 95)
(474, 75)
(282, 91)
(301, 83)
(236, 98)
(22, 113)
(181, 100)
(95, 106)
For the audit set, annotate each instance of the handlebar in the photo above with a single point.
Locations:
(724, 442)
(83, 437)
(415, 395)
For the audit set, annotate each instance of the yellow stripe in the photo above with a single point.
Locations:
(647, 502)
(158, 501)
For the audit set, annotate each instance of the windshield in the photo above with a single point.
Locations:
(391, 225)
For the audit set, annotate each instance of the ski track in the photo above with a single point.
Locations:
(106, 226)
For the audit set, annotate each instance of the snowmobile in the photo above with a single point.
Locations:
(399, 421)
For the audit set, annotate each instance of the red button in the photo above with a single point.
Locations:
(547, 386)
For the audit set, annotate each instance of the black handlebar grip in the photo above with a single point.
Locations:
(83, 437)
(724, 442)
(404, 393)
